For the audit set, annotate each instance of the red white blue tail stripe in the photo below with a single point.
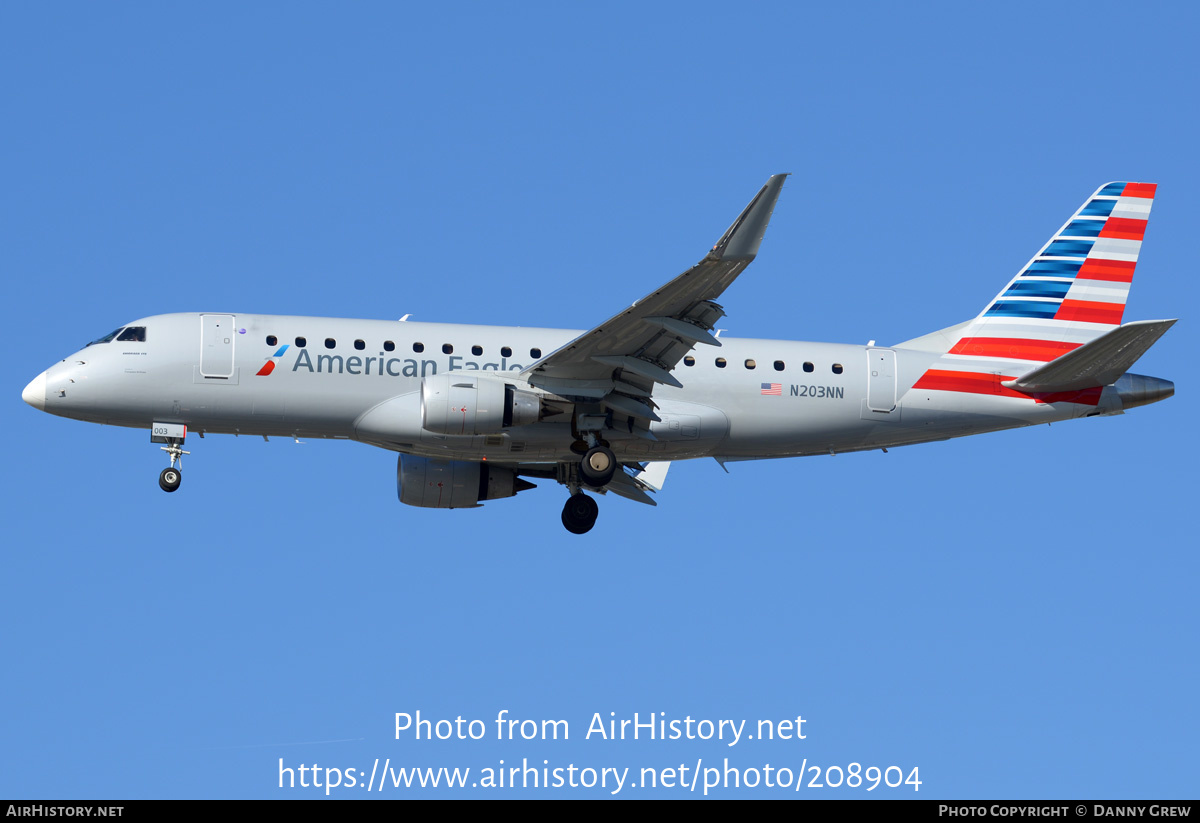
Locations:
(1082, 274)
(1071, 292)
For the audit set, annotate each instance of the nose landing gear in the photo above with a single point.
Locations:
(170, 478)
(173, 434)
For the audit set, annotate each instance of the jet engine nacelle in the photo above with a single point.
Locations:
(458, 403)
(453, 484)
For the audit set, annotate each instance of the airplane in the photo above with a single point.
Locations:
(472, 411)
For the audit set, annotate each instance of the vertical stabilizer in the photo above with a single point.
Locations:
(1070, 294)
(1074, 289)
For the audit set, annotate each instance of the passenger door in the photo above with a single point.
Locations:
(881, 380)
(216, 346)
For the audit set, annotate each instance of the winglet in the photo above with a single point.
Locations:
(742, 239)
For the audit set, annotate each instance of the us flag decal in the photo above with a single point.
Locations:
(773, 388)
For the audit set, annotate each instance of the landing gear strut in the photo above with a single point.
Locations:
(579, 514)
(170, 478)
(595, 470)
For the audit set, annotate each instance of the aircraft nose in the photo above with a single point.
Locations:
(35, 392)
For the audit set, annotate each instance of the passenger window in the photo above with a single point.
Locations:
(330, 343)
(536, 354)
(272, 340)
(778, 365)
(720, 362)
(447, 348)
(837, 368)
(689, 361)
(418, 347)
(505, 351)
(360, 345)
(750, 364)
(133, 334)
(388, 345)
(477, 351)
(808, 367)
(301, 342)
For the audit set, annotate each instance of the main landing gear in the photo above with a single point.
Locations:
(170, 478)
(594, 471)
(579, 514)
(598, 466)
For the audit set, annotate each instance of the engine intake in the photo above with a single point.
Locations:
(453, 484)
(459, 403)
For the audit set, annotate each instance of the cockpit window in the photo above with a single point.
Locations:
(133, 334)
(108, 338)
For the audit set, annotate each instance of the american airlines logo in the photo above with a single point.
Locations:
(391, 366)
(269, 366)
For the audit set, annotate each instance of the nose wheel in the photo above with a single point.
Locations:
(170, 478)
(579, 514)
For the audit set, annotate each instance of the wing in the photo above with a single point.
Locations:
(618, 363)
(648, 477)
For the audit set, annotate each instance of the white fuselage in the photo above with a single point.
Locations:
(361, 379)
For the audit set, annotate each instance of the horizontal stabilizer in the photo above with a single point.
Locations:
(1098, 363)
(654, 474)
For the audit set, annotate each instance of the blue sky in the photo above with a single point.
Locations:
(1013, 614)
